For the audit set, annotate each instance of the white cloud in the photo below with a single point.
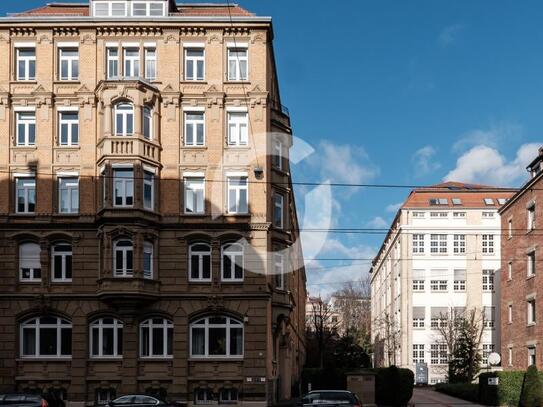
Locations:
(393, 208)
(492, 137)
(378, 223)
(424, 162)
(485, 165)
(450, 34)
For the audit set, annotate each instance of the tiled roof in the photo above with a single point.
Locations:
(469, 196)
(193, 10)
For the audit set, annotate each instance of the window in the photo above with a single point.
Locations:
(61, 262)
(488, 348)
(148, 190)
(532, 360)
(438, 201)
(68, 64)
(531, 312)
(277, 158)
(459, 244)
(510, 271)
(29, 262)
(147, 123)
(150, 64)
(418, 322)
(439, 317)
(131, 62)
(279, 270)
(68, 194)
(438, 285)
(194, 195)
(25, 194)
(502, 201)
(194, 64)
(238, 129)
(26, 128)
(26, 64)
(439, 214)
(124, 119)
(459, 283)
(531, 217)
(419, 317)
(228, 396)
(510, 351)
(456, 201)
(488, 244)
(488, 280)
(200, 262)
(510, 228)
(68, 129)
(112, 63)
(489, 320)
(488, 215)
(510, 314)
(418, 214)
(123, 258)
(418, 353)
(489, 201)
(418, 285)
(203, 396)
(123, 180)
(104, 396)
(148, 260)
(156, 338)
(238, 198)
(238, 63)
(418, 244)
(458, 215)
(438, 354)
(46, 337)
(232, 262)
(106, 338)
(438, 244)
(194, 129)
(531, 264)
(216, 336)
(278, 214)
(147, 9)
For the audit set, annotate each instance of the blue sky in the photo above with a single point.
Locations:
(402, 92)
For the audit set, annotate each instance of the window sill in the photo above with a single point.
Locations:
(71, 147)
(44, 359)
(237, 215)
(238, 148)
(155, 358)
(193, 82)
(195, 215)
(66, 215)
(24, 81)
(67, 82)
(237, 82)
(185, 147)
(236, 282)
(28, 282)
(530, 277)
(201, 282)
(65, 282)
(18, 147)
(531, 324)
(216, 359)
(105, 359)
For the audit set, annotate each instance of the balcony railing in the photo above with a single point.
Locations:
(127, 146)
(279, 107)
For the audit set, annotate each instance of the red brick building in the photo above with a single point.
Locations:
(522, 275)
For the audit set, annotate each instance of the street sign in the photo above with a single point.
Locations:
(493, 381)
(421, 373)
(494, 359)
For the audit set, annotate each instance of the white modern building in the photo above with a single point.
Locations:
(441, 255)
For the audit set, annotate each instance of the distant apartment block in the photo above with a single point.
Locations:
(441, 255)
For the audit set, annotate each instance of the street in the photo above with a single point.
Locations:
(429, 397)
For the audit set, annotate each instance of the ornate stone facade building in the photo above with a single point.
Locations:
(148, 239)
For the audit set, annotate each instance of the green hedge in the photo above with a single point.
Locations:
(393, 386)
(464, 391)
(507, 393)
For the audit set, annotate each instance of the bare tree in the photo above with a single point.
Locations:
(389, 330)
(322, 325)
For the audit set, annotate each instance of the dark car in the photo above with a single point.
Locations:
(22, 400)
(330, 398)
(138, 400)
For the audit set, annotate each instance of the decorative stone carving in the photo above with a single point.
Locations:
(45, 39)
(258, 38)
(22, 32)
(65, 31)
(88, 39)
(129, 31)
(192, 31)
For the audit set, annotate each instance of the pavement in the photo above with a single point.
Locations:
(428, 397)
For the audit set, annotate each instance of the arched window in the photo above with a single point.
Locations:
(200, 262)
(124, 119)
(232, 262)
(123, 258)
(156, 338)
(148, 259)
(29, 262)
(216, 336)
(46, 336)
(147, 123)
(106, 338)
(61, 262)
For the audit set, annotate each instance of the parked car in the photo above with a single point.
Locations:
(138, 400)
(330, 398)
(22, 400)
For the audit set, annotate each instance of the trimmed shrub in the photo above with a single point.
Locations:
(464, 391)
(532, 391)
(507, 393)
(393, 386)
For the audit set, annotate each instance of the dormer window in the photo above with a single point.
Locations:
(439, 201)
(103, 8)
(489, 201)
(457, 201)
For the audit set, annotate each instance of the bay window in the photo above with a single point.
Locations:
(147, 123)
(148, 260)
(123, 258)
(216, 337)
(123, 181)
(148, 190)
(124, 119)
(278, 210)
(46, 337)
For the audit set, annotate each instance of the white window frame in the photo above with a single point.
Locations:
(72, 62)
(195, 124)
(279, 271)
(27, 60)
(70, 184)
(72, 128)
(65, 256)
(419, 285)
(147, 12)
(150, 54)
(531, 263)
(459, 244)
(531, 312)
(109, 6)
(234, 208)
(27, 185)
(532, 355)
(418, 353)
(28, 120)
(510, 271)
(418, 243)
(127, 116)
(277, 157)
(438, 244)
(278, 209)
(194, 60)
(510, 314)
(126, 184)
(204, 323)
(238, 128)
(531, 216)
(200, 254)
(439, 286)
(124, 271)
(487, 244)
(148, 185)
(235, 63)
(488, 280)
(131, 65)
(100, 326)
(35, 324)
(32, 263)
(488, 348)
(167, 329)
(438, 354)
(112, 62)
(232, 396)
(233, 251)
(147, 123)
(194, 187)
(148, 253)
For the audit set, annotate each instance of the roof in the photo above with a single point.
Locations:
(193, 10)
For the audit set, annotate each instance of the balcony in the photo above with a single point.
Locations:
(280, 113)
(128, 292)
(128, 147)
